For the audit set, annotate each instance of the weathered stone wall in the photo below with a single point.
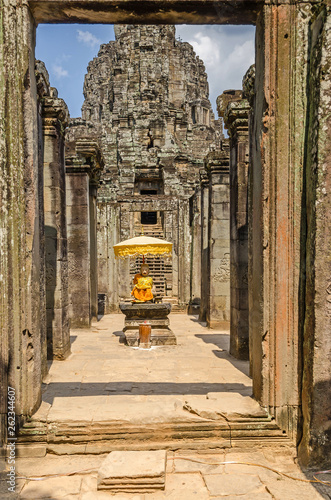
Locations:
(277, 223)
(315, 446)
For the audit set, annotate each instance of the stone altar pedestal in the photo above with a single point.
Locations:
(155, 314)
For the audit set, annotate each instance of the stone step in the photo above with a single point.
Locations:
(133, 471)
(70, 437)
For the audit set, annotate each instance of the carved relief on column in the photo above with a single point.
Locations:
(236, 120)
(83, 166)
(218, 310)
(55, 120)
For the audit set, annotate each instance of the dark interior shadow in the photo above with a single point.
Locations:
(76, 389)
(101, 305)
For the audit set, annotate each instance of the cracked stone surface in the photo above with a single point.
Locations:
(188, 476)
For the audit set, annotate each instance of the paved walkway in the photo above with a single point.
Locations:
(197, 379)
(190, 476)
(104, 379)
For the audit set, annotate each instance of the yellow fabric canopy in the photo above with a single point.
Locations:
(142, 245)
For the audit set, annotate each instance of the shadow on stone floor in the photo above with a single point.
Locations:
(76, 389)
(73, 338)
(195, 319)
(222, 341)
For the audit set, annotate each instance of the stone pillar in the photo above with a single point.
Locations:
(315, 446)
(82, 170)
(21, 254)
(218, 310)
(289, 320)
(236, 121)
(204, 182)
(55, 119)
(108, 236)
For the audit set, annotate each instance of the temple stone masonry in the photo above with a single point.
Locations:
(248, 215)
(146, 94)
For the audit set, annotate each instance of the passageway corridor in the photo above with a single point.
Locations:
(103, 379)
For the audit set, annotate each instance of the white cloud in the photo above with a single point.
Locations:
(88, 38)
(227, 52)
(59, 72)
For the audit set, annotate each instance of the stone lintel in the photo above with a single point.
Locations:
(146, 11)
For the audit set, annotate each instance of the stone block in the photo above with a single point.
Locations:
(53, 200)
(133, 471)
(31, 450)
(77, 234)
(221, 211)
(219, 288)
(219, 248)
(78, 215)
(54, 175)
(77, 190)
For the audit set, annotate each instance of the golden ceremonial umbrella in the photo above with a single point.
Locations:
(142, 245)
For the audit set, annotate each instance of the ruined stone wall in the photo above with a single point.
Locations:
(148, 94)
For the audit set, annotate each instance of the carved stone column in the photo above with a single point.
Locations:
(236, 121)
(55, 119)
(82, 173)
(218, 310)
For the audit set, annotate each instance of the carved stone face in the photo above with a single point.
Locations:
(144, 270)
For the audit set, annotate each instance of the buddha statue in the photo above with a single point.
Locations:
(143, 285)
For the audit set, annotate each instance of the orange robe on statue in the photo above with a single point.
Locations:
(143, 288)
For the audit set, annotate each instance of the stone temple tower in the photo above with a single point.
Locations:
(146, 98)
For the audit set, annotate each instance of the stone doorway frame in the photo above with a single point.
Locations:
(282, 256)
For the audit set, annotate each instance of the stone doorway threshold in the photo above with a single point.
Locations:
(107, 396)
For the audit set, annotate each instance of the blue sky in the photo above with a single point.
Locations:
(227, 52)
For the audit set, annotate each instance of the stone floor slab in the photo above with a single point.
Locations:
(232, 484)
(188, 486)
(53, 489)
